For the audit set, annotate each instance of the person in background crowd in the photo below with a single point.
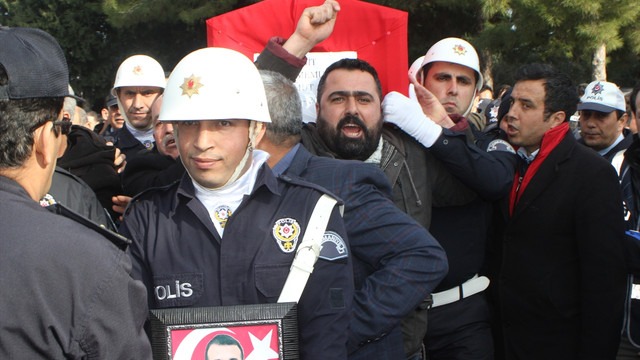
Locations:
(113, 119)
(93, 120)
(603, 116)
(139, 81)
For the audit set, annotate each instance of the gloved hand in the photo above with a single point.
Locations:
(407, 115)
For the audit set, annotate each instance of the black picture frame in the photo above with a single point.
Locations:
(281, 315)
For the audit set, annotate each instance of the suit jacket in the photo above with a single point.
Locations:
(562, 277)
(397, 263)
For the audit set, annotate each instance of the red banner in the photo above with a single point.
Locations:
(378, 34)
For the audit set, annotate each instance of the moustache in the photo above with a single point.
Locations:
(352, 120)
(167, 139)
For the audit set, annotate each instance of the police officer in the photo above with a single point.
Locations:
(459, 320)
(139, 80)
(66, 288)
(227, 233)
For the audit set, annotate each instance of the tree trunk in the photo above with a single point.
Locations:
(599, 63)
(487, 69)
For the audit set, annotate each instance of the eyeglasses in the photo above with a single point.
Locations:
(65, 125)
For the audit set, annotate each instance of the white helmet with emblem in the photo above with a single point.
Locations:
(453, 50)
(139, 70)
(215, 84)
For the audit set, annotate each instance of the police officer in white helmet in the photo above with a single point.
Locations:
(228, 231)
(451, 72)
(139, 80)
(445, 86)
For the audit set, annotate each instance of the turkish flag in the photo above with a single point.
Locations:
(376, 33)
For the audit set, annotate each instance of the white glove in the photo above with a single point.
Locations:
(408, 116)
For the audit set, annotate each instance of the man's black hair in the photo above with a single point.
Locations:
(223, 339)
(560, 93)
(349, 64)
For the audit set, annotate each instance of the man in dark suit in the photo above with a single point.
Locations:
(397, 263)
(561, 281)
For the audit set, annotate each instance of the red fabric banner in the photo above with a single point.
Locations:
(378, 34)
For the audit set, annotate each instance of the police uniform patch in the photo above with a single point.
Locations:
(286, 232)
(333, 247)
(47, 200)
(500, 145)
(222, 214)
(148, 144)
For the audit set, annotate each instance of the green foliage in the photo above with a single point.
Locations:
(564, 33)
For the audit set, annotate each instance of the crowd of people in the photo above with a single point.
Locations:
(450, 224)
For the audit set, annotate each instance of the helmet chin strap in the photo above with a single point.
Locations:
(468, 111)
(254, 130)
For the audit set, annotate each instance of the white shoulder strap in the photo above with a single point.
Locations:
(308, 250)
(617, 160)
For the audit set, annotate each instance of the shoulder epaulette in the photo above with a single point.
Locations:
(118, 240)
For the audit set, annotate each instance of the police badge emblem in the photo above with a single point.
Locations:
(222, 214)
(459, 50)
(286, 232)
(137, 70)
(191, 86)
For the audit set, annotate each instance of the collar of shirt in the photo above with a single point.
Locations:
(528, 158)
(376, 157)
(231, 195)
(604, 152)
(286, 161)
(141, 135)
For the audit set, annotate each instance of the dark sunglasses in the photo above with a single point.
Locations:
(65, 125)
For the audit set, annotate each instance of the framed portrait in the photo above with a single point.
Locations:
(246, 332)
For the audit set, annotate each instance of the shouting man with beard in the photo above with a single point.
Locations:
(445, 172)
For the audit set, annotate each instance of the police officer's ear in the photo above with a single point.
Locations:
(623, 121)
(261, 128)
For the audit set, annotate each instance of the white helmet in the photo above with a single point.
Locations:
(413, 69)
(456, 51)
(215, 84)
(139, 70)
(453, 50)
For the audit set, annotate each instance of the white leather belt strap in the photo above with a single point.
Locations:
(470, 287)
(308, 250)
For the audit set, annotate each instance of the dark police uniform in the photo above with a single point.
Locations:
(127, 143)
(179, 255)
(66, 289)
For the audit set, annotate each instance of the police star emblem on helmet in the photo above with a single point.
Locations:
(191, 85)
(137, 70)
(286, 232)
(459, 49)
